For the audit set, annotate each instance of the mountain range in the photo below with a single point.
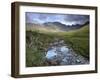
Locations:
(53, 26)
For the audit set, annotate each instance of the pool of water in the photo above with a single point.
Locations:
(55, 51)
(51, 53)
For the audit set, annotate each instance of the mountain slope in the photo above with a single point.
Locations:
(79, 40)
(52, 26)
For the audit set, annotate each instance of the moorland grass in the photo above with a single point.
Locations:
(37, 43)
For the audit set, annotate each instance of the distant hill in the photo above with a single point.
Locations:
(53, 26)
(57, 25)
(62, 26)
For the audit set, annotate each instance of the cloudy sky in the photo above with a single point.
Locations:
(67, 19)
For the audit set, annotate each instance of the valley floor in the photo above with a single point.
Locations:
(66, 48)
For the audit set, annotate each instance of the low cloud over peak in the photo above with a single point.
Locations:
(68, 19)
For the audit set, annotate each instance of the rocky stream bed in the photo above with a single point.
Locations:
(59, 53)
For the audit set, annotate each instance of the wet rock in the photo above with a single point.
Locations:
(55, 43)
(54, 62)
(61, 42)
(78, 61)
(64, 49)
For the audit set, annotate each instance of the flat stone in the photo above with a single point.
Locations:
(78, 61)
